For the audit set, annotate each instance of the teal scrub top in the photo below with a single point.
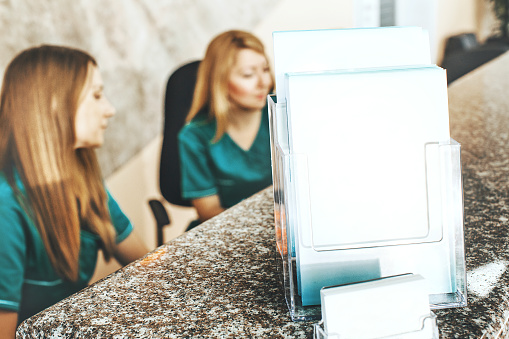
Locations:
(223, 167)
(28, 282)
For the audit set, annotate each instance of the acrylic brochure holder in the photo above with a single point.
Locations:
(345, 264)
(398, 308)
(367, 181)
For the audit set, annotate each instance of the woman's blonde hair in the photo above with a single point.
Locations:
(64, 189)
(211, 91)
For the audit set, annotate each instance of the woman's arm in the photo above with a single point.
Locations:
(207, 207)
(8, 321)
(130, 249)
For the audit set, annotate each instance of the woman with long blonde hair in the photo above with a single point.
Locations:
(55, 213)
(225, 147)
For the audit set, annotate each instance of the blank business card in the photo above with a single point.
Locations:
(376, 308)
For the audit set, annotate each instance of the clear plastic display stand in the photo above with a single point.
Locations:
(440, 257)
(429, 330)
(390, 307)
(367, 181)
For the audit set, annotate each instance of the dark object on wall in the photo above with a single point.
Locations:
(179, 95)
(463, 53)
(501, 11)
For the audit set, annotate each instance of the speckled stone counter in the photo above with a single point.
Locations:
(479, 116)
(219, 280)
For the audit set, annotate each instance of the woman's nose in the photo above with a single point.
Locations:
(109, 110)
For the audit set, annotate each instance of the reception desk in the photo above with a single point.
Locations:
(220, 279)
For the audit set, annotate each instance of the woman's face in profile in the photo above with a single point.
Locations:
(250, 80)
(93, 112)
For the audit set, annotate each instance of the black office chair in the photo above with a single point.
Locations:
(162, 219)
(463, 53)
(461, 63)
(460, 43)
(178, 98)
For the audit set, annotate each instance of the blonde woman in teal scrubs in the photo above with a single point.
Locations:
(55, 213)
(225, 146)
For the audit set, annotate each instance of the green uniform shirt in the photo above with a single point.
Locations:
(28, 282)
(223, 168)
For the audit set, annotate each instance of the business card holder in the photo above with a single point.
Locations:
(429, 330)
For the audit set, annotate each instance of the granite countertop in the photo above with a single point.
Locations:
(479, 119)
(220, 280)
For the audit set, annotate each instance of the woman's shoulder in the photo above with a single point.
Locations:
(10, 204)
(6, 191)
(200, 126)
(202, 121)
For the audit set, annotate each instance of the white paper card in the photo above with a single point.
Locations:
(322, 50)
(375, 309)
(364, 134)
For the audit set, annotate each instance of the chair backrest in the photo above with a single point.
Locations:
(179, 95)
(461, 63)
(460, 43)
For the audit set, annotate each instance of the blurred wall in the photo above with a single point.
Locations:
(136, 43)
(456, 17)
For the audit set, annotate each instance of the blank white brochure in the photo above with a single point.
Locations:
(322, 50)
(364, 134)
